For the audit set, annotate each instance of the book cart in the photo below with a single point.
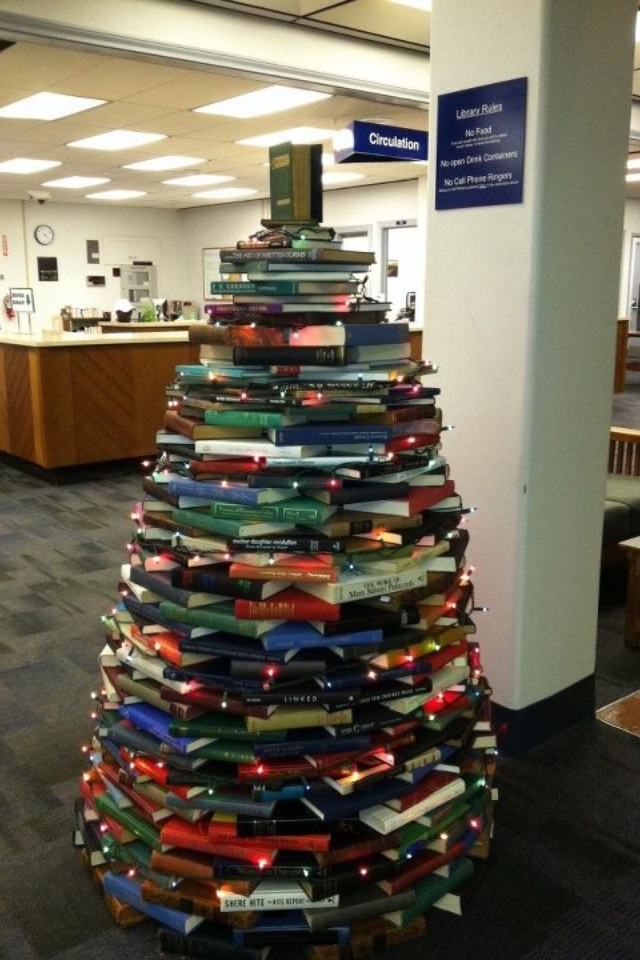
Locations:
(293, 739)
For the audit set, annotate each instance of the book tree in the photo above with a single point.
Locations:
(293, 738)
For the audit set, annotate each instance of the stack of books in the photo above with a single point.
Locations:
(293, 739)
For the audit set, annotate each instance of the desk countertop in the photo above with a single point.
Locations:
(48, 338)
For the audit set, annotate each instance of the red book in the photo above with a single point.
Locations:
(290, 604)
(195, 836)
(433, 782)
(158, 771)
(222, 467)
(212, 700)
(416, 501)
(305, 569)
(421, 866)
(413, 441)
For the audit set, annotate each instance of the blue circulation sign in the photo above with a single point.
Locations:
(363, 142)
(480, 155)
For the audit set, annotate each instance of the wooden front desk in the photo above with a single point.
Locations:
(73, 399)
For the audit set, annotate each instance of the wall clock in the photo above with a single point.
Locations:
(44, 234)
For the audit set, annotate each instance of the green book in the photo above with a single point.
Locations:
(229, 727)
(430, 890)
(141, 828)
(218, 616)
(416, 831)
(250, 418)
(228, 525)
(293, 510)
(295, 181)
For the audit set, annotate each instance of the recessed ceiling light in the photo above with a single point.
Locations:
(633, 164)
(341, 177)
(48, 106)
(271, 99)
(295, 135)
(76, 183)
(225, 193)
(170, 162)
(117, 140)
(633, 178)
(116, 195)
(25, 165)
(199, 180)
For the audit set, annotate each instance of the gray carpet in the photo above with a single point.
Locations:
(562, 880)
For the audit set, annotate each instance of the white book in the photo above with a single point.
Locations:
(383, 819)
(255, 448)
(275, 895)
(151, 667)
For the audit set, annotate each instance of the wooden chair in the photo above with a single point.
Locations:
(624, 451)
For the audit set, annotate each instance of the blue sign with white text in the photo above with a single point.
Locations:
(480, 156)
(363, 142)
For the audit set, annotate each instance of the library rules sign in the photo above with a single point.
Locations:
(480, 149)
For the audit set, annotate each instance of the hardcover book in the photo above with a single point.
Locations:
(292, 707)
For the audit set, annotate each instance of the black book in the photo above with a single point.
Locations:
(209, 941)
(359, 617)
(218, 582)
(291, 543)
(331, 356)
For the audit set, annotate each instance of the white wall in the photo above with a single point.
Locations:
(180, 237)
(74, 224)
(350, 207)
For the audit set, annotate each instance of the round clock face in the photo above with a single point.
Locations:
(44, 234)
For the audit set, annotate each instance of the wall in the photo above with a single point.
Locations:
(180, 236)
(74, 224)
(355, 207)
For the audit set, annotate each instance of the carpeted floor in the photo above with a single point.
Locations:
(563, 877)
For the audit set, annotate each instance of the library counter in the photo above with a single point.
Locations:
(68, 399)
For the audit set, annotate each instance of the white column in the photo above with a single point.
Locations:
(520, 306)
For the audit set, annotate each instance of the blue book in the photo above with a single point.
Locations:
(212, 675)
(330, 805)
(227, 492)
(297, 634)
(286, 927)
(232, 646)
(156, 722)
(127, 889)
(354, 334)
(342, 433)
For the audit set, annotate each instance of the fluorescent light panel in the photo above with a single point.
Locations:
(170, 162)
(225, 193)
(25, 165)
(116, 195)
(633, 178)
(76, 183)
(117, 140)
(48, 106)
(633, 164)
(271, 99)
(199, 180)
(294, 135)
